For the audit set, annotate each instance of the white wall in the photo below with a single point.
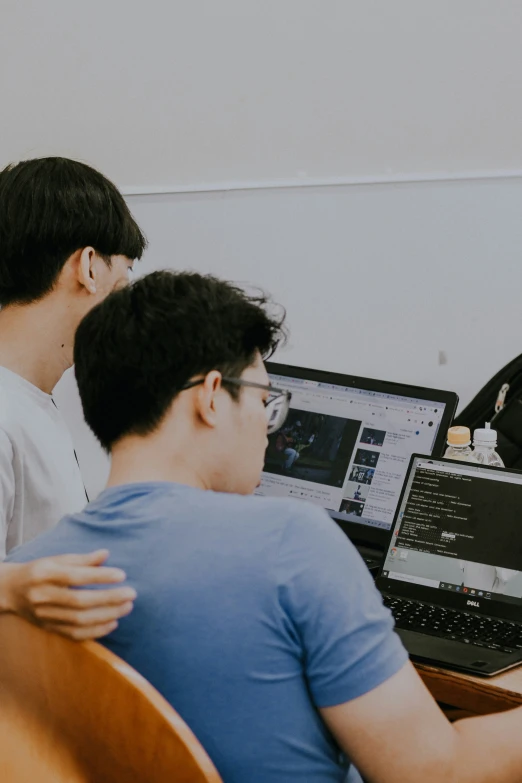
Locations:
(377, 280)
(189, 93)
(193, 91)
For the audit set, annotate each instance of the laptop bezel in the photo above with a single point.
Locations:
(434, 595)
(361, 534)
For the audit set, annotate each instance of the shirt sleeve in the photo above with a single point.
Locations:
(331, 603)
(7, 490)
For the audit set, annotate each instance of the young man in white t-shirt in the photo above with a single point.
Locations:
(67, 239)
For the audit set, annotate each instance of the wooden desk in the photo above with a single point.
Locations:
(463, 695)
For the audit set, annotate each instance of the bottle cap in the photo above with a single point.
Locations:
(459, 436)
(486, 436)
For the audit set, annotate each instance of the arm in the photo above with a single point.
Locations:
(397, 734)
(41, 592)
(361, 681)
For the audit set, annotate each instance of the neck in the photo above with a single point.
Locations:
(138, 459)
(36, 341)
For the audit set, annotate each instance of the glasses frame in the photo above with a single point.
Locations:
(277, 394)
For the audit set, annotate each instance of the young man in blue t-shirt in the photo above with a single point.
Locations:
(256, 617)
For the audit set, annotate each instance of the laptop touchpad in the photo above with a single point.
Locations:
(445, 652)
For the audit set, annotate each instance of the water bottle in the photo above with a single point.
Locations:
(484, 445)
(459, 444)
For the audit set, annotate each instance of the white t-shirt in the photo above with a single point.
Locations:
(40, 479)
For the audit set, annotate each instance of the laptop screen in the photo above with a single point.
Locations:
(459, 529)
(347, 447)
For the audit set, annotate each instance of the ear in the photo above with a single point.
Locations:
(87, 269)
(206, 398)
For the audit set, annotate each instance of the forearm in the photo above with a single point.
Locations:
(396, 733)
(485, 749)
(488, 749)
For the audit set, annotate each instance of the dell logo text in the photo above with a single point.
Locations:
(473, 603)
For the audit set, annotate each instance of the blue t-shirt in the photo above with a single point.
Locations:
(251, 613)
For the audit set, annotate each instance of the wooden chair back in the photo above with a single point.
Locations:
(76, 713)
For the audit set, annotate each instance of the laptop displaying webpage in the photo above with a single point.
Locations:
(459, 529)
(347, 449)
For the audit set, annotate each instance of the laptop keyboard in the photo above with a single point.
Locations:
(460, 626)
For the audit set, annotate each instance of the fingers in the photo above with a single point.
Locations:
(76, 569)
(90, 559)
(88, 618)
(87, 575)
(59, 571)
(52, 595)
(80, 633)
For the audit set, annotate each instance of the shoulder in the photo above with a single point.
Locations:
(12, 415)
(6, 408)
(275, 511)
(304, 531)
(285, 523)
(6, 442)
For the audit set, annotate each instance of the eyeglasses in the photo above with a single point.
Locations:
(276, 407)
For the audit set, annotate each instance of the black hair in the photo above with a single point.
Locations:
(136, 350)
(49, 208)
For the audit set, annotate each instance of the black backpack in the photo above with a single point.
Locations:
(500, 402)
